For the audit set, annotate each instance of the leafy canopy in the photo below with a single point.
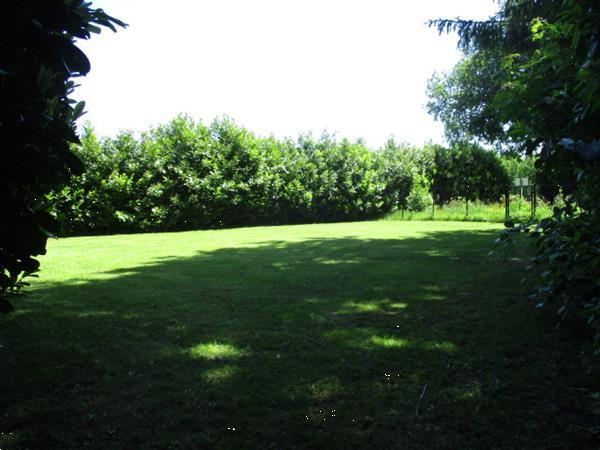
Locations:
(37, 122)
(187, 175)
(530, 79)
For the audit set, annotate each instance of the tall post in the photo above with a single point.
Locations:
(507, 206)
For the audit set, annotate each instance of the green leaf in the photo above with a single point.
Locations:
(78, 111)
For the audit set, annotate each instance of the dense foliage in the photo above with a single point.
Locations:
(420, 162)
(518, 167)
(38, 60)
(468, 172)
(186, 175)
(530, 81)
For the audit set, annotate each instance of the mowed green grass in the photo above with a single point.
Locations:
(357, 335)
(520, 210)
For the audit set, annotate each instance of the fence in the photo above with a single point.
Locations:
(526, 191)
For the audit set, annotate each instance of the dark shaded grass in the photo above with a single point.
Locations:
(324, 343)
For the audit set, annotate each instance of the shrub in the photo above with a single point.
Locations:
(37, 119)
(419, 199)
(468, 172)
(186, 175)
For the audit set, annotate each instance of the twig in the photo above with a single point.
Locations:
(419, 401)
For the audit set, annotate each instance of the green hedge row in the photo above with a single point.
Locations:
(186, 175)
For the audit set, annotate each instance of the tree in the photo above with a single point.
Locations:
(467, 172)
(544, 94)
(461, 100)
(37, 122)
(465, 99)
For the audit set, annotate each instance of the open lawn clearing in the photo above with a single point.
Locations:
(356, 335)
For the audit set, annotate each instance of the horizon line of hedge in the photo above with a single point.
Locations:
(185, 175)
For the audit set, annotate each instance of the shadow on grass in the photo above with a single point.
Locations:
(324, 343)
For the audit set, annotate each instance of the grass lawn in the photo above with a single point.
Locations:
(520, 210)
(375, 335)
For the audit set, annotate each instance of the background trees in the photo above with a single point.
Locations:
(468, 172)
(37, 117)
(187, 175)
(530, 81)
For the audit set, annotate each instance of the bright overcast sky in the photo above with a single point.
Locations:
(353, 68)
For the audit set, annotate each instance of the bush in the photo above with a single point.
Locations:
(186, 175)
(419, 199)
(566, 264)
(37, 122)
(468, 172)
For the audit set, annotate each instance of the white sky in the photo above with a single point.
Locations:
(357, 68)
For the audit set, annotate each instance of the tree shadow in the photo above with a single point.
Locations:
(323, 343)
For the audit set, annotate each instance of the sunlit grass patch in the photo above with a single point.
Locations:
(219, 374)
(363, 307)
(355, 337)
(215, 350)
(478, 212)
(331, 261)
(398, 305)
(389, 341)
(376, 306)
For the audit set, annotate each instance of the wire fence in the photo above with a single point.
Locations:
(521, 203)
